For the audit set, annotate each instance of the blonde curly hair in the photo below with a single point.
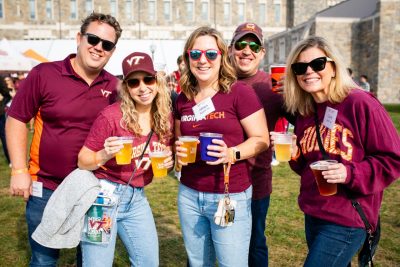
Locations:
(227, 73)
(160, 110)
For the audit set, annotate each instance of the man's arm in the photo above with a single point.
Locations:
(17, 138)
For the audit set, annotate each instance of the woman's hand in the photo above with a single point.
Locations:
(181, 152)
(219, 150)
(169, 161)
(112, 145)
(336, 174)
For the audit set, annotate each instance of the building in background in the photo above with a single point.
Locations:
(365, 31)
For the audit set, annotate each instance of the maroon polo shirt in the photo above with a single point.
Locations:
(64, 107)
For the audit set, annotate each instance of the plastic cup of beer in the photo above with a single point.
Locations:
(157, 163)
(124, 156)
(205, 140)
(190, 143)
(324, 188)
(277, 71)
(283, 144)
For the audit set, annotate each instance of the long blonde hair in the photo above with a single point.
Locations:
(227, 74)
(160, 110)
(299, 101)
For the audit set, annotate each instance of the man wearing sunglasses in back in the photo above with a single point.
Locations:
(64, 97)
(246, 53)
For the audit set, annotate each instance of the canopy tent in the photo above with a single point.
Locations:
(35, 55)
(164, 51)
(13, 61)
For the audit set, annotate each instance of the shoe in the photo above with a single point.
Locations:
(274, 162)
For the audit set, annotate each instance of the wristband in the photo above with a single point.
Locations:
(19, 171)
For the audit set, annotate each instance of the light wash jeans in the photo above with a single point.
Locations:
(135, 227)
(205, 241)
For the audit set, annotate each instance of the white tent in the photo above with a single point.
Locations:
(12, 60)
(165, 51)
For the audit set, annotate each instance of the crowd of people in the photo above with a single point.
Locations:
(81, 113)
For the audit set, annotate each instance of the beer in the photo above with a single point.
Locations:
(124, 156)
(324, 188)
(283, 145)
(282, 152)
(157, 163)
(190, 143)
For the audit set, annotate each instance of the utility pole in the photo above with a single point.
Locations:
(140, 27)
(59, 20)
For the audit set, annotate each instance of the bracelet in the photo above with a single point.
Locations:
(19, 171)
(232, 156)
(97, 163)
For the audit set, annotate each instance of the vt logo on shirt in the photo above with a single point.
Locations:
(105, 93)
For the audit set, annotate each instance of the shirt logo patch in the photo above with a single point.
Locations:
(105, 93)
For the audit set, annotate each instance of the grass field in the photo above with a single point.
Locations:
(284, 223)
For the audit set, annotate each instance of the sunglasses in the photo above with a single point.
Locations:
(317, 64)
(211, 54)
(134, 83)
(94, 40)
(253, 46)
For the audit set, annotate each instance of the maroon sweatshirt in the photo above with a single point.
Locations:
(365, 140)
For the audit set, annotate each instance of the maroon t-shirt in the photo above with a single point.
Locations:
(64, 107)
(229, 110)
(260, 166)
(108, 124)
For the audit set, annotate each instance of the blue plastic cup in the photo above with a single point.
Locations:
(205, 140)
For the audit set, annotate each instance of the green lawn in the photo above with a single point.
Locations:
(284, 223)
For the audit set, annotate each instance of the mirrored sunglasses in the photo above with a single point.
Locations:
(94, 40)
(211, 54)
(317, 64)
(253, 46)
(134, 83)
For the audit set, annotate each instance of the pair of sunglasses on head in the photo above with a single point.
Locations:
(94, 40)
(317, 64)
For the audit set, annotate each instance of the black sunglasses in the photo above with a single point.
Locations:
(211, 54)
(317, 64)
(94, 40)
(148, 80)
(253, 46)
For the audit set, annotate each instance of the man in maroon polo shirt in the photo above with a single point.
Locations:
(246, 52)
(64, 97)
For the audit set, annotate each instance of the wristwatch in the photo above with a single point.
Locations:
(236, 153)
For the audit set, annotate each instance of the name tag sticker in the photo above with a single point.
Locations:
(330, 117)
(203, 108)
(37, 189)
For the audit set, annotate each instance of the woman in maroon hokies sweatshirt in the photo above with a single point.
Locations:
(356, 131)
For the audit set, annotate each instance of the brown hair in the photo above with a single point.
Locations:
(227, 74)
(110, 20)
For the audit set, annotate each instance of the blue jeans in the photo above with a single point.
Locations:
(205, 241)
(331, 244)
(136, 228)
(258, 254)
(41, 256)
